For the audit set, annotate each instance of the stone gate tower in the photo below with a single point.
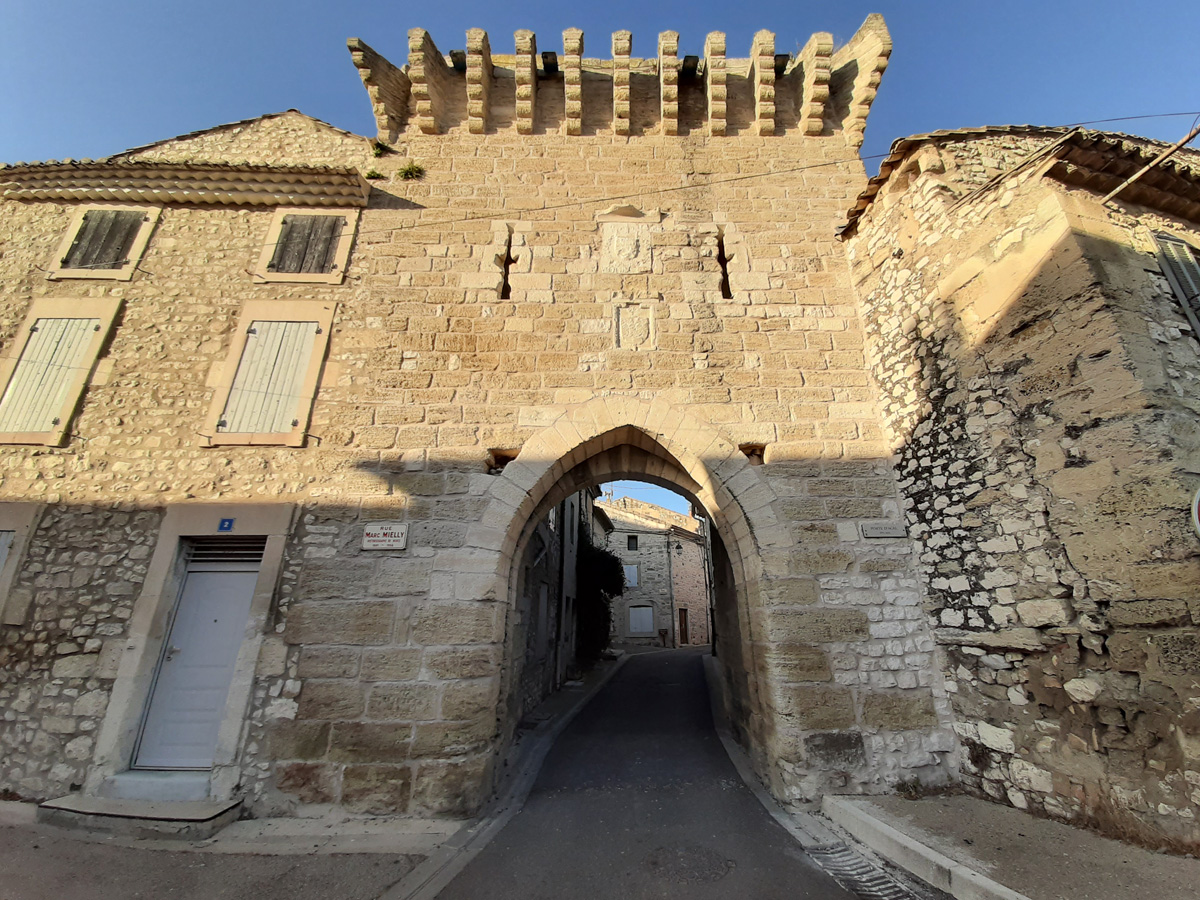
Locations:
(544, 271)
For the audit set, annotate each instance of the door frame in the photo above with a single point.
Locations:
(149, 627)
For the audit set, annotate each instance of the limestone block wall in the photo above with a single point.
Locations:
(384, 678)
(1036, 376)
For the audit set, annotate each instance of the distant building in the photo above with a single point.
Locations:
(666, 582)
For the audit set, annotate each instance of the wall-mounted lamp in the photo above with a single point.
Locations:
(679, 548)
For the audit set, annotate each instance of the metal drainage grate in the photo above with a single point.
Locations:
(859, 876)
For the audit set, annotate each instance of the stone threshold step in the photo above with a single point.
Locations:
(189, 820)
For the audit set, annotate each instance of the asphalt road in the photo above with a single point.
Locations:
(638, 799)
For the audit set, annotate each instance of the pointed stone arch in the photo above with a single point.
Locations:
(611, 438)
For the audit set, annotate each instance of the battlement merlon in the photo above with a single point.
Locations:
(821, 91)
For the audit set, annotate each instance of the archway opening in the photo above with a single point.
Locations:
(682, 561)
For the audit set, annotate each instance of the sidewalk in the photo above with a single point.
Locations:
(974, 850)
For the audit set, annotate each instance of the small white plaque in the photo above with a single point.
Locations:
(884, 530)
(385, 536)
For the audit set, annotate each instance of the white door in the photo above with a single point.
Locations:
(188, 700)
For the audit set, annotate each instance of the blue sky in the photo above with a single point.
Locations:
(640, 490)
(85, 79)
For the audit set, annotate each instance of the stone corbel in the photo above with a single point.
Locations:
(572, 66)
(622, 46)
(762, 76)
(431, 81)
(714, 76)
(857, 70)
(526, 75)
(813, 63)
(668, 80)
(479, 80)
(387, 86)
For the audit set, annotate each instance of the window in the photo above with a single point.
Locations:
(631, 573)
(104, 242)
(46, 368)
(266, 391)
(17, 521)
(631, 541)
(641, 620)
(303, 245)
(1181, 264)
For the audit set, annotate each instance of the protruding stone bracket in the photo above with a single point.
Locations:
(431, 81)
(668, 80)
(622, 46)
(857, 69)
(479, 80)
(526, 67)
(387, 86)
(813, 63)
(762, 76)
(714, 71)
(572, 65)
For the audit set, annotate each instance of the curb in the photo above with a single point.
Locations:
(427, 880)
(929, 865)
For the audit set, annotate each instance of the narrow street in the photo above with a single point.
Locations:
(638, 799)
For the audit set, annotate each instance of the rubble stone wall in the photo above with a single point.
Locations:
(1037, 378)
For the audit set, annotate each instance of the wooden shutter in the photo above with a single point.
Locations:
(6, 539)
(307, 244)
(48, 368)
(268, 387)
(1181, 263)
(104, 239)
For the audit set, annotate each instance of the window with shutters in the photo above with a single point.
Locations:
(266, 390)
(17, 521)
(1180, 262)
(641, 620)
(631, 542)
(104, 242)
(307, 245)
(631, 576)
(47, 366)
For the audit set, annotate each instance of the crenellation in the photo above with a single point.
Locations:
(762, 77)
(387, 86)
(573, 80)
(622, 46)
(714, 77)
(479, 80)
(668, 74)
(526, 69)
(856, 71)
(813, 64)
(432, 82)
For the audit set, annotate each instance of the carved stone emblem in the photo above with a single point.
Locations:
(626, 248)
(635, 325)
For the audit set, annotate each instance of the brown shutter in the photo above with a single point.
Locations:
(104, 239)
(307, 245)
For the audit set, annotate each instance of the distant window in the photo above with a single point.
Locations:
(632, 541)
(306, 246)
(1181, 264)
(641, 620)
(631, 576)
(105, 242)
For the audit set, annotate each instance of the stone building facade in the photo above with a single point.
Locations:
(1036, 354)
(345, 378)
(666, 570)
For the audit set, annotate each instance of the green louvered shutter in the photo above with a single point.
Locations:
(267, 388)
(48, 368)
(307, 245)
(104, 239)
